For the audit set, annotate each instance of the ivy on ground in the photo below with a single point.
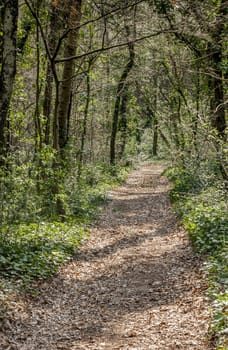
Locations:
(203, 208)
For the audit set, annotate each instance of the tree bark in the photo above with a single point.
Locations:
(155, 137)
(195, 117)
(123, 121)
(84, 125)
(120, 88)
(8, 69)
(68, 69)
(1, 28)
(47, 105)
(37, 118)
(155, 120)
(215, 51)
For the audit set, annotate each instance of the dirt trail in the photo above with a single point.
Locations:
(135, 284)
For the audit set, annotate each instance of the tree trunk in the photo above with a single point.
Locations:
(155, 137)
(155, 120)
(1, 28)
(196, 115)
(8, 69)
(123, 121)
(120, 89)
(37, 120)
(84, 126)
(62, 109)
(215, 52)
(164, 139)
(218, 120)
(47, 105)
(68, 70)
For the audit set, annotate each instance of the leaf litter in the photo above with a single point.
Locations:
(136, 284)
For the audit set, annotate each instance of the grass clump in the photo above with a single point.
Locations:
(202, 203)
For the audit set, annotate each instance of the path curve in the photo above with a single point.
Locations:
(135, 285)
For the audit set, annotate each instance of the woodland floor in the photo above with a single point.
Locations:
(135, 284)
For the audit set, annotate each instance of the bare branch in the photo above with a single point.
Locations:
(102, 49)
(102, 16)
(33, 12)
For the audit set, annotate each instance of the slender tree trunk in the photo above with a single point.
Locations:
(195, 117)
(164, 138)
(123, 121)
(84, 125)
(120, 88)
(215, 51)
(180, 127)
(155, 137)
(55, 119)
(47, 104)
(216, 87)
(174, 130)
(218, 120)
(1, 28)
(37, 121)
(155, 121)
(62, 109)
(8, 69)
(68, 70)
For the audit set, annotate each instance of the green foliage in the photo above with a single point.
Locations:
(207, 222)
(84, 202)
(202, 202)
(36, 250)
(85, 197)
(18, 196)
(163, 6)
(34, 243)
(184, 182)
(193, 177)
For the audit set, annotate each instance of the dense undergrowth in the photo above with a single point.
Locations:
(201, 200)
(34, 240)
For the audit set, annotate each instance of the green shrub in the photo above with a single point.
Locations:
(36, 250)
(201, 201)
(84, 198)
(207, 224)
(33, 241)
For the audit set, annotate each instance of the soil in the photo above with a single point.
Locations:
(135, 284)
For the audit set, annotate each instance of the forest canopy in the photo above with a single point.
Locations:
(89, 80)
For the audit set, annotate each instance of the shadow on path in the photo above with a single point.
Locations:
(135, 264)
(134, 286)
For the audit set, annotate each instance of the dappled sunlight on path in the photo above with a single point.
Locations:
(135, 283)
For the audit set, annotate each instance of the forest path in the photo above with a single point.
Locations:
(135, 283)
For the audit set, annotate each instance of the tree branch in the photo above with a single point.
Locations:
(103, 15)
(102, 49)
